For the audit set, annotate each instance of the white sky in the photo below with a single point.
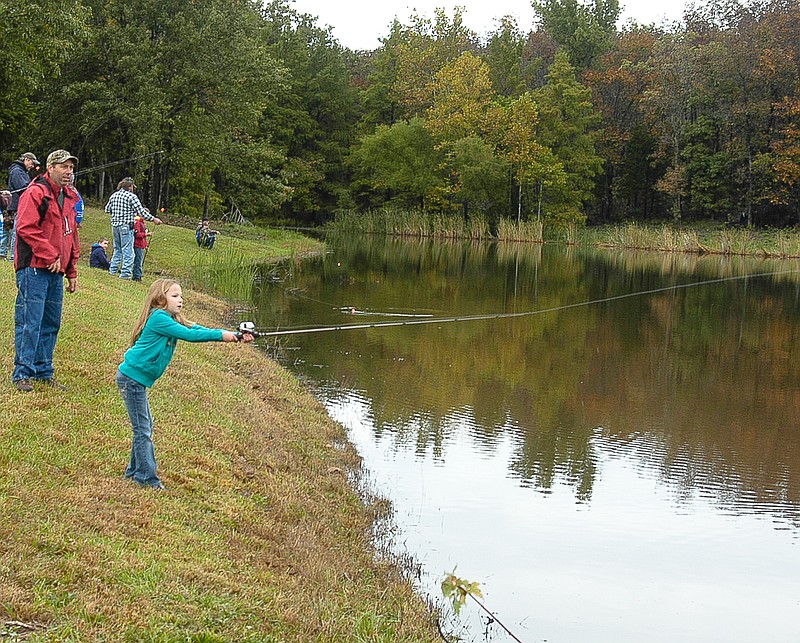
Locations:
(358, 24)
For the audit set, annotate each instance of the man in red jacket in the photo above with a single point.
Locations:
(46, 252)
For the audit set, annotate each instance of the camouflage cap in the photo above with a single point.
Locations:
(60, 156)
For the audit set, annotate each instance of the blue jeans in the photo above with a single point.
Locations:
(142, 467)
(7, 238)
(12, 241)
(122, 257)
(37, 319)
(138, 262)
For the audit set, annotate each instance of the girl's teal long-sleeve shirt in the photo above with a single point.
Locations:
(148, 358)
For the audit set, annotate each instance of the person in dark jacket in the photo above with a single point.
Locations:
(204, 235)
(99, 258)
(18, 180)
(47, 251)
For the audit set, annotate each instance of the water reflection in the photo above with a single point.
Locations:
(647, 412)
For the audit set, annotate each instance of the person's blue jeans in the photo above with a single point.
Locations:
(138, 262)
(123, 255)
(7, 239)
(12, 241)
(37, 319)
(142, 467)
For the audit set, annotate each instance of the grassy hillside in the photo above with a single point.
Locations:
(261, 536)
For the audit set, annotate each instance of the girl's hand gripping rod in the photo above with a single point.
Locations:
(246, 328)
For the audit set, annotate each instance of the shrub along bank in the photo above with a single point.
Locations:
(261, 536)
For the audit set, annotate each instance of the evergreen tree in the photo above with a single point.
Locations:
(567, 122)
(314, 116)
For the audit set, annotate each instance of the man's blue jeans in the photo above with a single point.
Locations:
(37, 319)
(142, 467)
(122, 257)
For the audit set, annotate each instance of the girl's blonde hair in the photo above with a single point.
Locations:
(156, 298)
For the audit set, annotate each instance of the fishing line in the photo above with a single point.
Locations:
(348, 310)
(444, 320)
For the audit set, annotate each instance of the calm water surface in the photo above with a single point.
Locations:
(620, 471)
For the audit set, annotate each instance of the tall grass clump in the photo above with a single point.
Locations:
(735, 242)
(785, 244)
(226, 272)
(400, 222)
(512, 230)
(633, 235)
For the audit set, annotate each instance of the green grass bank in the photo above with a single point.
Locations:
(262, 536)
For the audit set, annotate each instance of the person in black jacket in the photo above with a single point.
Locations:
(99, 258)
(18, 180)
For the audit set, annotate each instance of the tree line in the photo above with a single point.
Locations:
(220, 104)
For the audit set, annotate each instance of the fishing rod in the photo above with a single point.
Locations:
(113, 163)
(99, 167)
(250, 328)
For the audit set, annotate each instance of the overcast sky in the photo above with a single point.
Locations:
(358, 24)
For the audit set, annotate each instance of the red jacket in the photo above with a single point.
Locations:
(139, 233)
(45, 231)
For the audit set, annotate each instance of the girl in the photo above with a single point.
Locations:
(153, 342)
(140, 243)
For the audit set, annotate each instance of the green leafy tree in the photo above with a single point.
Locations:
(510, 70)
(463, 94)
(36, 39)
(585, 31)
(381, 102)
(427, 45)
(627, 141)
(402, 160)
(711, 171)
(567, 122)
(480, 176)
(514, 133)
(158, 76)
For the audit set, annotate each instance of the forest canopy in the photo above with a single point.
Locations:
(216, 105)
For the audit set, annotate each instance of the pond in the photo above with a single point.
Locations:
(607, 442)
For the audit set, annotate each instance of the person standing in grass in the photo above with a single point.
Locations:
(46, 252)
(18, 179)
(123, 206)
(140, 243)
(155, 335)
